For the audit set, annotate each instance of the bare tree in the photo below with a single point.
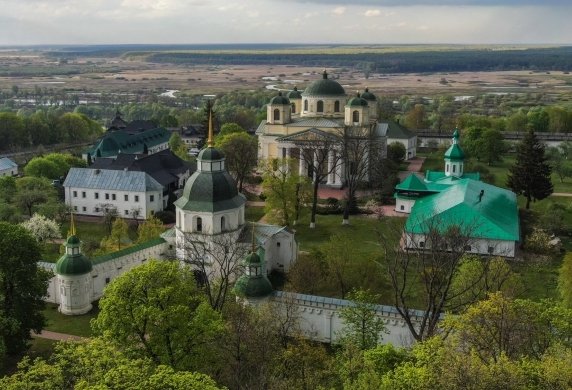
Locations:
(358, 145)
(322, 153)
(217, 261)
(109, 213)
(422, 270)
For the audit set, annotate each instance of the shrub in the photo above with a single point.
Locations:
(167, 217)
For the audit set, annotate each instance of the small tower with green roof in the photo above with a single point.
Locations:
(454, 158)
(357, 111)
(279, 110)
(254, 284)
(73, 271)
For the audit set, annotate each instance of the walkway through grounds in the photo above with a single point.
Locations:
(46, 334)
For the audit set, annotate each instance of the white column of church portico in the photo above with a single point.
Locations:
(302, 170)
(331, 169)
(339, 171)
(287, 156)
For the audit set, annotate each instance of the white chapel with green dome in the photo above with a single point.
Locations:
(454, 197)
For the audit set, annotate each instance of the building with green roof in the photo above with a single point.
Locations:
(322, 107)
(121, 141)
(400, 134)
(488, 214)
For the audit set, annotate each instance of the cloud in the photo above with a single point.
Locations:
(451, 3)
(339, 10)
(372, 12)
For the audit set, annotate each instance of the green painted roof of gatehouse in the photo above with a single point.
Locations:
(494, 215)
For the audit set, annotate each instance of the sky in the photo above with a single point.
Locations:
(29, 22)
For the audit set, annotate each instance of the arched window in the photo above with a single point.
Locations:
(454, 168)
(320, 106)
(199, 224)
(447, 168)
(222, 224)
(355, 116)
(293, 108)
(276, 114)
(337, 106)
(305, 105)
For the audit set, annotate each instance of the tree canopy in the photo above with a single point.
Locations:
(530, 175)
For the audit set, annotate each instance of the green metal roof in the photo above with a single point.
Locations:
(455, 153)
(210, 191)
(368, 95)
(441, 178)
(492, 216)
(210, 154)
(253, 285)
(128, 251)
(395, 130)
(411, 183)
(324, 87)
(280, 99)
(357, 101)
(77, 264)
(294, 94)
(113, 142)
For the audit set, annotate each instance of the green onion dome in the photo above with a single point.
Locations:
(368, 95)
(280, 99)
(73, 262)
(324, 87)
(357, 101)
(294, 94)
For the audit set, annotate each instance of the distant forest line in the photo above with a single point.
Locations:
(545, 59)
(371, 58)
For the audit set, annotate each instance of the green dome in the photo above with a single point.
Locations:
(280, 99)
(253, 286)
(455, 153)
(368, 95)
(252, 259)
(294, 94)
(76, 264)
(357, 102)
(324, 87)
(210, 154)
(73, 241)
(210, 191)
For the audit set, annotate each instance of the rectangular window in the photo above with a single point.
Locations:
(421, 244)
(136, 198)
(468, 248)
(75, 194)
(106, 196)
(83, 194)
(112, 196)
(126, 198)
(126, 212)
(96, 209)
(75, 208)
(84, 208)
(151, 198)
(107, 280)
(402, 207)
(96, 195)
(491, 250)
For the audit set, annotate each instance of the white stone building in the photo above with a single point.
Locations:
(8, 167)
(321, 115)
(132, 193)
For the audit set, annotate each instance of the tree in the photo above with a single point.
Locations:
(23, 286)
(321, 152)
(99, 364)
(118, 238)
(149, 229)
(42, 229)
(217, 261)
(396, 152)
(565, 281)
(416, 118)
(362, 325)
(558, 162)
(7, 188)
(357, 146)
(240, 150)
(338, 255)
(283, 190)
(32, 191)
(227, 129)
(430, 267)
(177, 146)
(41, 167)
(511, 327)
(155, 311)
(110, 214)
(530, 175)
(491, 146)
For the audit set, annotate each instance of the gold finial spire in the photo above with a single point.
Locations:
(210, 141)
(71, 232)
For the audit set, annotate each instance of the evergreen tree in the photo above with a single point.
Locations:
(530, 175)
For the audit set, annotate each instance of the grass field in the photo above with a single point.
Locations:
(76, 325)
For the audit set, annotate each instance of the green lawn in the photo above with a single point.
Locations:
(253, 214)
(76, 325)
(93, 230)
